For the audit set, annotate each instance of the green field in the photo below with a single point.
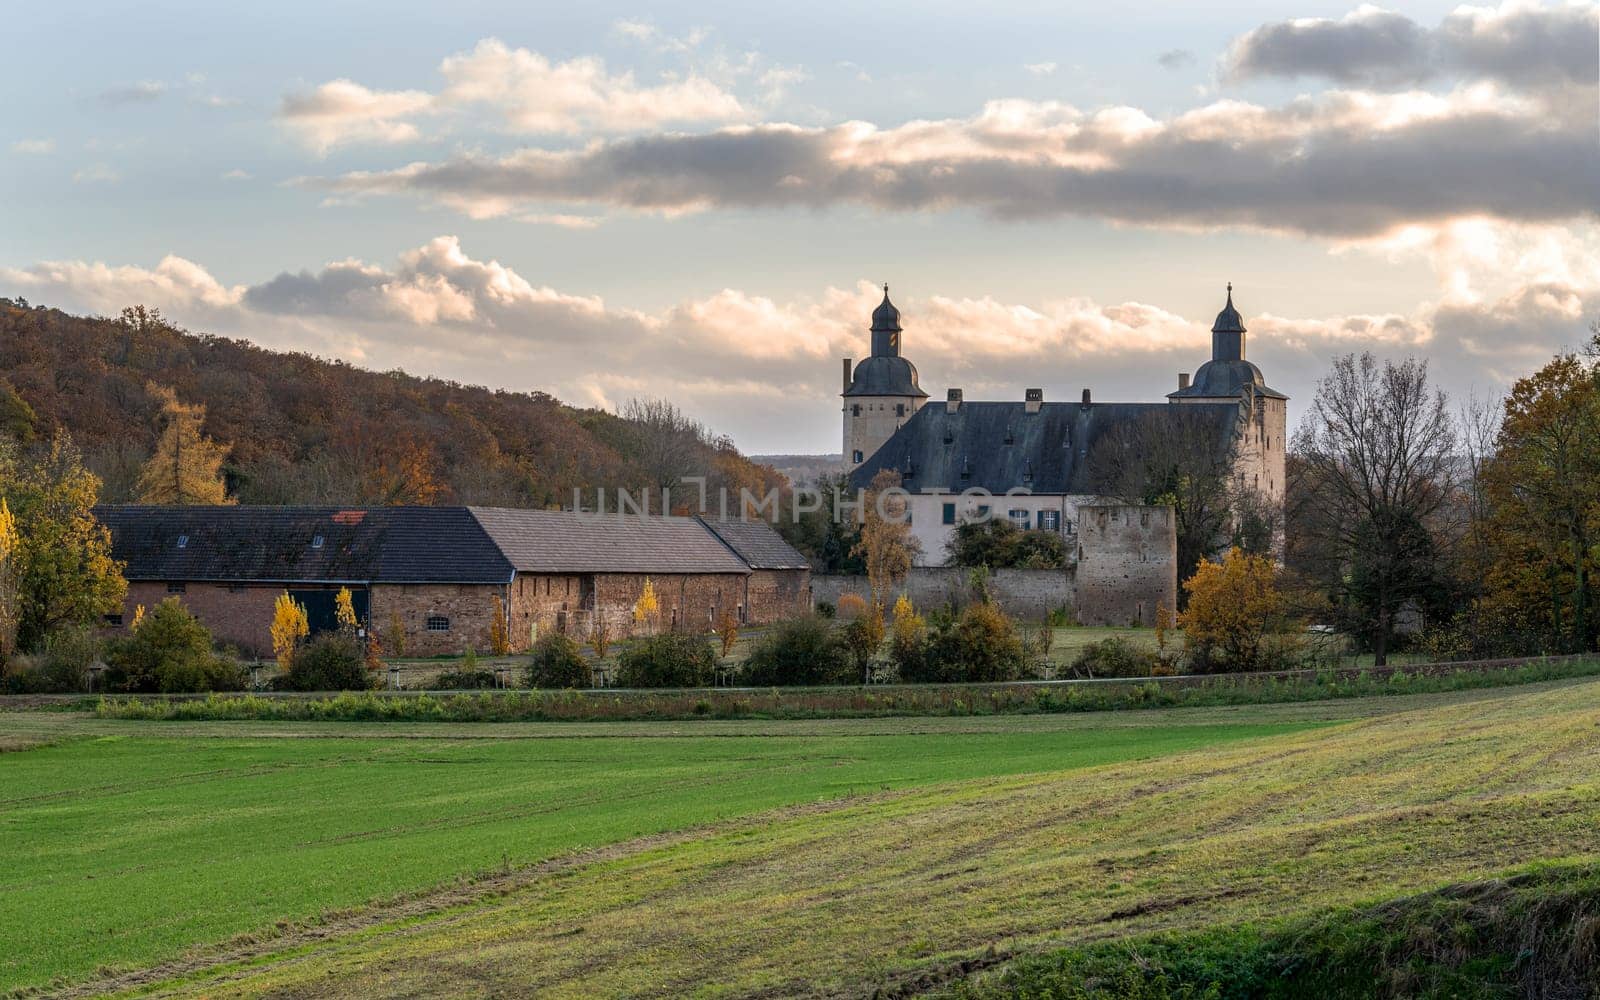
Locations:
(743, 857)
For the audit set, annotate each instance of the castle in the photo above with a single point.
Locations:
(1029, 461)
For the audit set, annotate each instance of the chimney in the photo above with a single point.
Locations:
(1032, 400)
(952, 400)
(846, 375)
(1183, 381)
(1086, 397)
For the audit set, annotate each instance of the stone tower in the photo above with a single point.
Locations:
(1228, 377)
(882, 393)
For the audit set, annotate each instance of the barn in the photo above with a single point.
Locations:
(442, 574)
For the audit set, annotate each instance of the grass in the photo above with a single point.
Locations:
(911, 889)
(851, 702)
(125, 844)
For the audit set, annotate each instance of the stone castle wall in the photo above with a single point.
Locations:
(1127, 564)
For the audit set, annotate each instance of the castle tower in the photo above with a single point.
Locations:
(1228, 377)
(882, 393)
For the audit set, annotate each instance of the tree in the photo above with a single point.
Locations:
(289, 626)
(1377, 466)
(64, 572)
(499, 629)
(647, 609)
(728, 631)
(10, 558)
(600, 634)
(344, 611)
(999, 544)
(187, 466)
(1175, 457)
(863, 637)
(395, 639)
(1232, 606)
(887, 546)
(669, 444)
(1543, 488)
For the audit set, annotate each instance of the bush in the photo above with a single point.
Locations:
(559, 663)
(999, 544)
(670, 660)
(463, 680)
(801, 650)
(825, 609)
(981, 645)
(1114, 657)
(170, 652)
(330, 662)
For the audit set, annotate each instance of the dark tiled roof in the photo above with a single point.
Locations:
(757, 543)
(555, 541)
(1000, 446)
(276, 544)
(885, 375)
(1223, 379)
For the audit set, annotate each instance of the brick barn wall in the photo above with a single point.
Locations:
(238, 615)
(546, 602)
(1127, 564)
(470, 607)
(774, 594)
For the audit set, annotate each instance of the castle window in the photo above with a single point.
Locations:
(856, 456)
(1049, 520)
(855, 409)
(899, 409)
(1019, 517)
(438, 623)
(949, 513)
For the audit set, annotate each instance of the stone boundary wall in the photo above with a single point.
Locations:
(1022, 593)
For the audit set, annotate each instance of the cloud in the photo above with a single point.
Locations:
(1341, 164)
(34, 147)
(97, 173)
(143, 92)
(525, 91)
(344, 111)
(1040, 68)
(236, 174)
(438, 310)
(1175, 59)
(1517, 44)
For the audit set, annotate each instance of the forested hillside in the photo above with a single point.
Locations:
(301, 429)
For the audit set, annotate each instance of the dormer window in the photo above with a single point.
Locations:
(183, 541)
(316, 541)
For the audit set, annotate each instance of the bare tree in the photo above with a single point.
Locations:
(1175, 456)
(1377, 461)
(671, 444)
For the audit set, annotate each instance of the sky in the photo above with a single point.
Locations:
(607, 201)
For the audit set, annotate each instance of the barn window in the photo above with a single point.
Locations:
(741, 614)
(174, 587)
(316, 541)
(438, 623)
(183, 541)
(237, 588)
(113, 621)
(674, 616)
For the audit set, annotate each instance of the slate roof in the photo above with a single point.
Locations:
(1224, 378)
(997, 446)
(885, 375)
(757, 543)
(277, 544)
(556, 541)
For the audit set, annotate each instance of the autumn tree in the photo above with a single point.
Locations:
(1543, 486)
(64, 572)
(10, 560)
(1377, 457)
(727, 631)
(187, 466)
(499, 629)
(344, 612)
(289, 626)
(600, 634)
(887, 546)
(1233, 606)
(647, 609)
(669, 444)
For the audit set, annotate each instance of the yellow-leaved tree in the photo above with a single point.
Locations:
(344, 611)
(187, 466)
(887, 545)
(647, 608)
(289, 626)
(499, 630)
(1233, 606)
(10, 552)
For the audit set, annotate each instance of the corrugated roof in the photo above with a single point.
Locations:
(555, 541)
(279, 544)
(997, 446)
(757, 543)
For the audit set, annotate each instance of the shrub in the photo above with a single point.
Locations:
(62, 667)
(1233, 605)
(852, 605)
(825, 609)
(558, 663)
(796, 651)
(980, 645)
(1114, 657)
(672, 659)
(908, 642)
(463, 680)
(169, 651)
(330, 662)
(863, 638)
